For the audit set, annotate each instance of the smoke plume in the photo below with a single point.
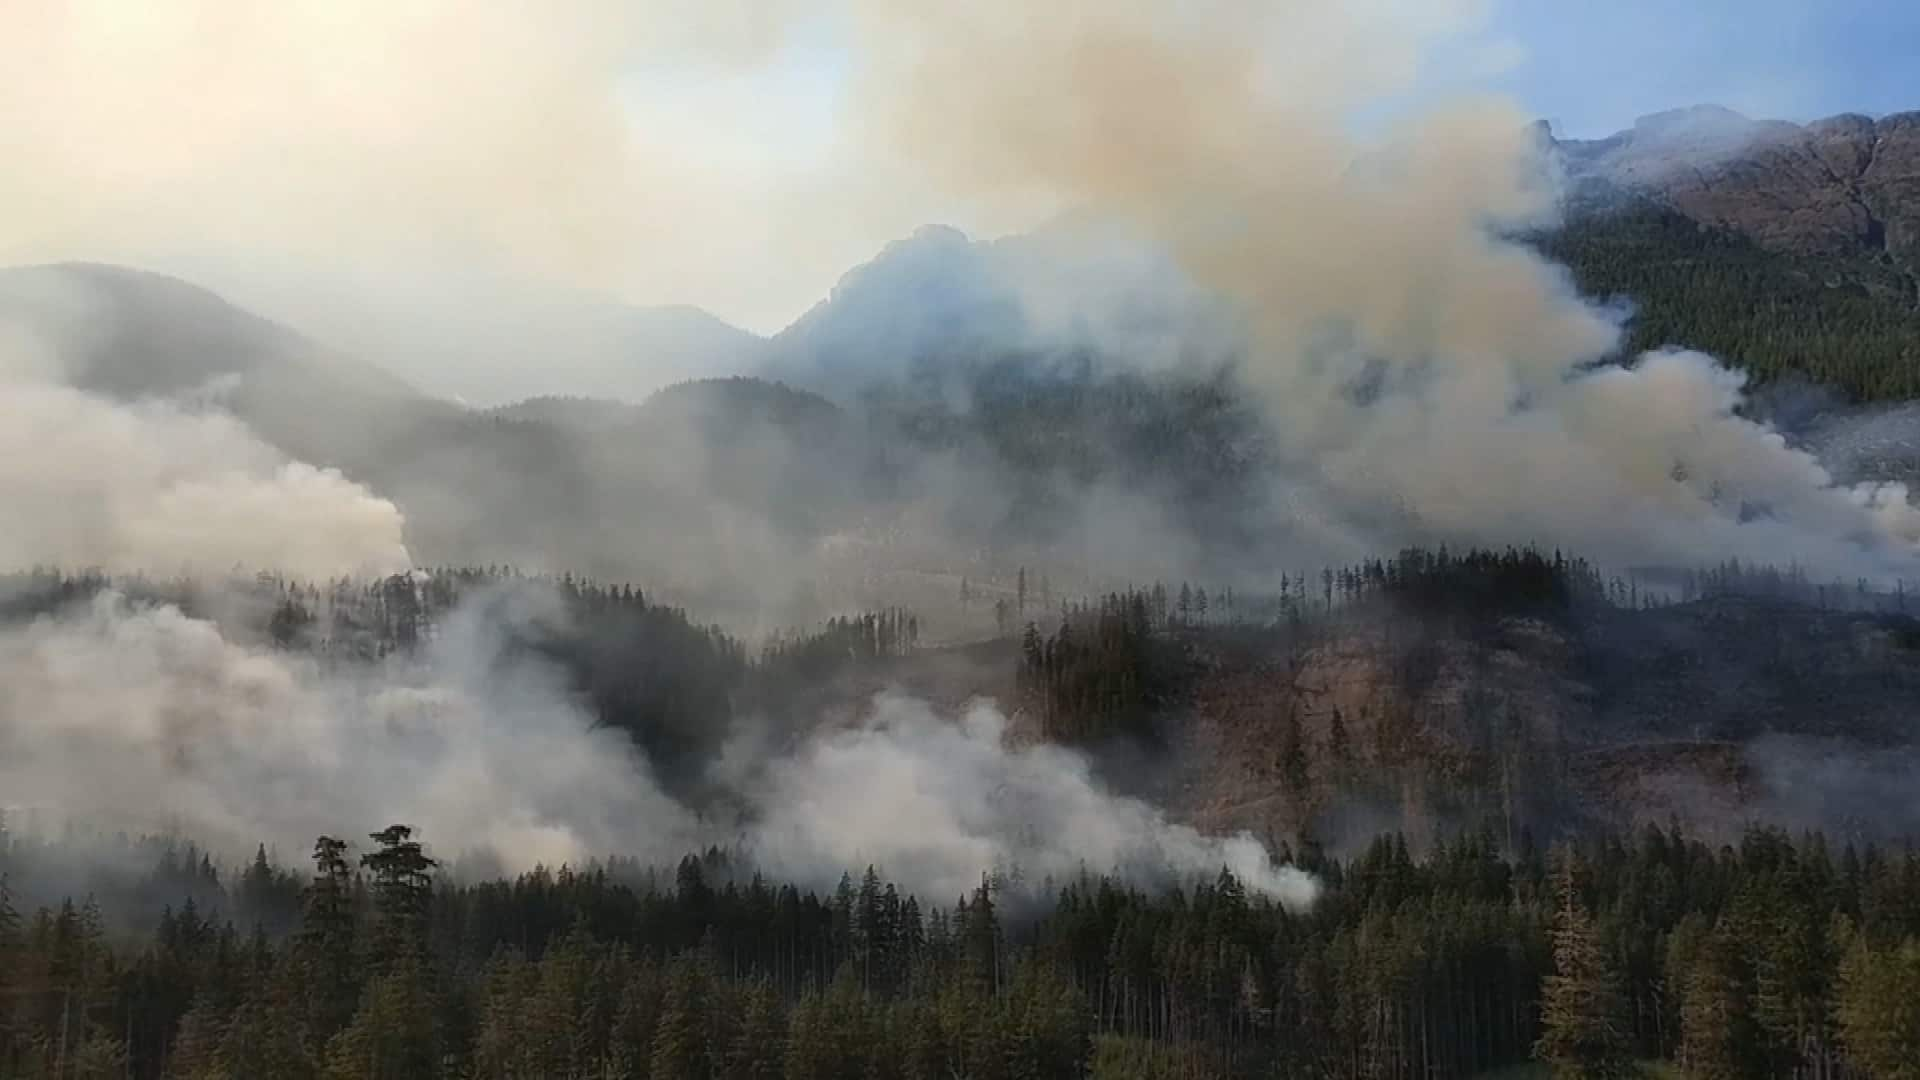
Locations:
(1424, 376)
(135, 717)
(935, 803)
(162, 487)
(140, 716)
(1428, 378)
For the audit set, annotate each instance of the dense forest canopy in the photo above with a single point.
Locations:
(1552, 935)
(1769, 956)
(1833, 322)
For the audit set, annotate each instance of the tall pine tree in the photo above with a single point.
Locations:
(1584, 1032)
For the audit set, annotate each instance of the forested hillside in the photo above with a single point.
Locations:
(1781, 248)
(1844, 322)
(1431, 691)
(1771, 957)
(1507, 908)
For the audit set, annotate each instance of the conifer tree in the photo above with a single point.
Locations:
(1719, 1038)
(263, 1038)
(635, 1018)
(403, 894)
(11, 966)
(1879, 1009)
(1293, 761)
(325, 947)
(395, 1033)
(811, 1053)
(1582, 1012)
(196, 1047)
(758, 1048)
(680, 1046)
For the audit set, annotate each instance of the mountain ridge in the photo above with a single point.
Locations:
(1842, 192)
(1844, 185)
(947, 357)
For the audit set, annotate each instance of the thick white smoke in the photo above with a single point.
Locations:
(132, 717)
(1648, 464)
(1426, 378)
(143, 717)
(154, 487)
(937, 803)
(163, 486)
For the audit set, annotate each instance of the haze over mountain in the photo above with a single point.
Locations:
(1300, 574)
(1842, 189)
(1034, 365)
(938, 296)
(129, 334)
(494, 347)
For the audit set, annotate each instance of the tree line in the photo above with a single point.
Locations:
(1774, 956)
(1104, 665)
(648, 669)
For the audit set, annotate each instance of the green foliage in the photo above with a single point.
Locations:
(1097, 673)
(1767, 958)
(1849, 324)
(1720, 1038)
(325, 950)
(402, 893)
(1582, 1012)
(1120, 1058)
(1879, 1008)
(396, 1032)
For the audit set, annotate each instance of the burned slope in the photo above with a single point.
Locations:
(1738, 669)
(1717, 711)
(1373, 718)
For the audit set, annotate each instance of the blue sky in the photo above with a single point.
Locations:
(1592, 67)
(1589, 66)
(769, 135)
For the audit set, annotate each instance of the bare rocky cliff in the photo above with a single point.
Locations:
(1846, 185)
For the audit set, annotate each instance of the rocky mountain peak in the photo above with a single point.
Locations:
(1844, 185)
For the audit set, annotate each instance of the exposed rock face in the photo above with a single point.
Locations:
(1846, 185)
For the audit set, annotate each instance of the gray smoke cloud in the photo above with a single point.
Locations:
(1852, 791)
(136, 716)
(153, 487)
(1427, 379)
(1423, 377)
(163, 486)
(140, 717)
(145, 717)
(935, 802)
